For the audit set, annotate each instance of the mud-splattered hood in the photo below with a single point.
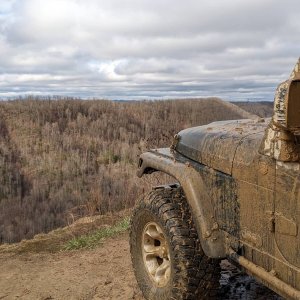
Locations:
(215, 144)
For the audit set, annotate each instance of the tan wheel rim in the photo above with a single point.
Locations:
(156, 254)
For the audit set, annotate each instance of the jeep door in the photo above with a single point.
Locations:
(255, 177)
(287, 222)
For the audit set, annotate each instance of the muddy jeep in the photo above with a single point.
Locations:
(237, 197)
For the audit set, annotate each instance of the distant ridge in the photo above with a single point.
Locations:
(263, 109)
(238, 110)
(235, 107)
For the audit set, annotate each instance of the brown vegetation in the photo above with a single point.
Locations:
(63, 159)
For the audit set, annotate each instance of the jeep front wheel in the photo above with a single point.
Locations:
(167, 258)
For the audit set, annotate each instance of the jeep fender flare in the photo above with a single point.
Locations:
(212, 239)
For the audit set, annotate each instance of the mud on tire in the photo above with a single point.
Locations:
(162, 221)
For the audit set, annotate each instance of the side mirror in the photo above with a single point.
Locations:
(293, 107)
(282, 137)
(287, 103)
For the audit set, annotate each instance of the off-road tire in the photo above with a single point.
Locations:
(193, 275)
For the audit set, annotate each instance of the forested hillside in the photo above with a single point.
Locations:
(262, 109)
(62, 159)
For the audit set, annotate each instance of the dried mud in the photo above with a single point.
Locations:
(101, 273)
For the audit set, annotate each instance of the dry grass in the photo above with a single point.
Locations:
(96, 237)
(66, 238)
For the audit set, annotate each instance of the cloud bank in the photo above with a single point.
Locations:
(140, 49)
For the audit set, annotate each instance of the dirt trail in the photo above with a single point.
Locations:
(102, 273)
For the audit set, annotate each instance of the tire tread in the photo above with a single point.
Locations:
(195, 275)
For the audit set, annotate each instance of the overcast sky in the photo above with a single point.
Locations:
(141, 49)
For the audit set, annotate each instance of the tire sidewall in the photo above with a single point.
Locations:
(193, 275)
(148, 286)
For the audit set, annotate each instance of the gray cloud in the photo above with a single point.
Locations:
(132, 49)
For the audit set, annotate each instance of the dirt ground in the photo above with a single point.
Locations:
(102, 273)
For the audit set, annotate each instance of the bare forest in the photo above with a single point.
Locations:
(263, 109)
(66, 158)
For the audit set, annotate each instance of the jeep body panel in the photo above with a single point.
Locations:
(215, 144)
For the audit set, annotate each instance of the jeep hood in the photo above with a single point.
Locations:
(215, 144)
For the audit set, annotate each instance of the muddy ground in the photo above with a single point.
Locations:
(102, 273)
